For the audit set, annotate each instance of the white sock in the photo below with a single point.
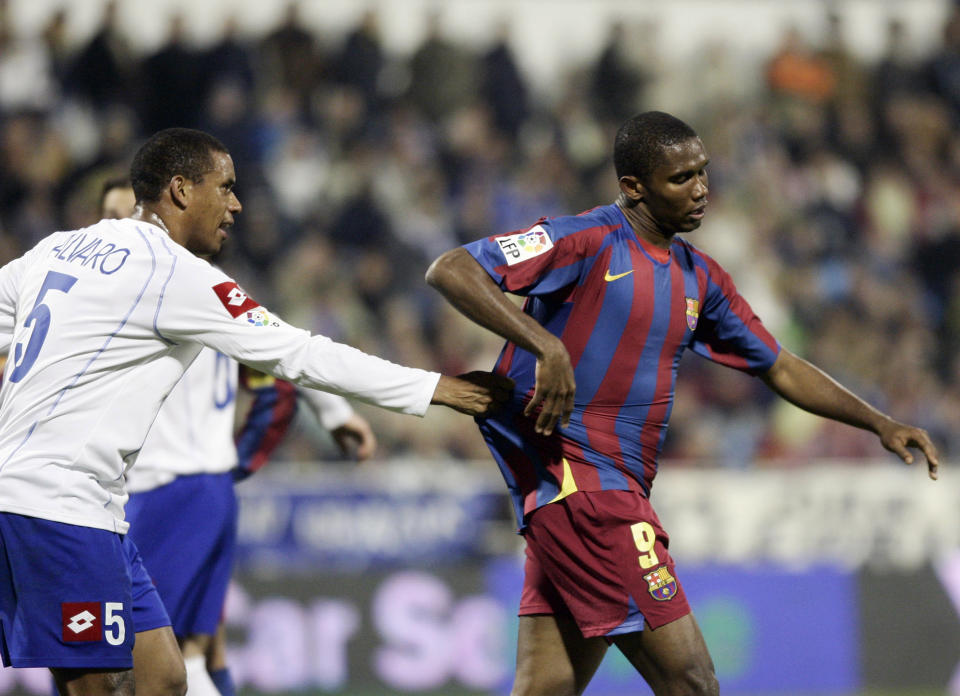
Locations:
(199, 682)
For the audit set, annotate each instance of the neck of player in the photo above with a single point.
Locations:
(643, 224)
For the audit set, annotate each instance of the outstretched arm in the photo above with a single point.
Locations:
(808, 387)
(465, 284)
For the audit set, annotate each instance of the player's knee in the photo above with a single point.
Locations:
(697, 680)
(178, 683)
(76, 682)
(543, 684)
(172, 683)
(121, 684)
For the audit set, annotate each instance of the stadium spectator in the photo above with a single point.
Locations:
(614, 297)
(290, 59)
(102, 72)
(617, 83)
(359, 62)
(504, 88)
(443, 73)
(174, 69)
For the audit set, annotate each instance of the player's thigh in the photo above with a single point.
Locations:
(196, 644)
(673, 658)
(158, 664)
(553, 657)
(99, 682)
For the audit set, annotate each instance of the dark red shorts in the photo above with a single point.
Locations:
(601, 557)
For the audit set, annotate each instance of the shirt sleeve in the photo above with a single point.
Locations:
(330, 410)
(728, 332)
(11, 276)
(203, 305)
(537, 261)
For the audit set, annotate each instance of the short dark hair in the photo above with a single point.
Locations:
(170, 152)
(114, 182)
(640, 142)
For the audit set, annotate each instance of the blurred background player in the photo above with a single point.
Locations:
(101, 324)
(614, 298)
(189, 463)
(117, 199)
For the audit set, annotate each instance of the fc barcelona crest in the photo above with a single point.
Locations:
(693, 313)
(661, 585)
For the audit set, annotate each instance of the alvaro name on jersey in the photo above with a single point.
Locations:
(100, 324)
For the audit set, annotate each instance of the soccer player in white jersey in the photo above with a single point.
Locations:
(100, 324)
(189, 462)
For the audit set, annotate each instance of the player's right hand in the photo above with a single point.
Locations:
(898, 437)
(474, 393)
(554, 390)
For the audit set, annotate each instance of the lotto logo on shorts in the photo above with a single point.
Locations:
(234, 300)
(661, 585)
(82, 621)
(525, 245)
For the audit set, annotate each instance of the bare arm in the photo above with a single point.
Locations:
(808, 387)
(467, 287)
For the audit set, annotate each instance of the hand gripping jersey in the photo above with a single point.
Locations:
(626, 311)
(100, 324)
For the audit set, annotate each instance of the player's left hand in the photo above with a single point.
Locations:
(897, 437)
(355, 438)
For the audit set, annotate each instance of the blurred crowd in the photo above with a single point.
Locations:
(835, 194)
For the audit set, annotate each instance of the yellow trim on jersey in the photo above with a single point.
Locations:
(568, 485)
(259, 380)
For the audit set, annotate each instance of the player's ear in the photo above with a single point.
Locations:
(631, 187)
(179, 187)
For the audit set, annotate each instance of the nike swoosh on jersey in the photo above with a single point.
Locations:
(607, 277)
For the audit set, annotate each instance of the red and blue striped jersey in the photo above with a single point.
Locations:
(625, 310)
(269, 417)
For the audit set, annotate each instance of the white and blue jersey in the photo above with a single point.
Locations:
(193, 432)
(100, 324)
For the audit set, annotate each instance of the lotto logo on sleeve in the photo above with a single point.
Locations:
(82, 621)
(235, 300)
(525, 245)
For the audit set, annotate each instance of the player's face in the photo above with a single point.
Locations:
(211, 206)
(676, 192)
(118, 203)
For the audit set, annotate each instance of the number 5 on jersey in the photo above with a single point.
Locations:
(39, 318)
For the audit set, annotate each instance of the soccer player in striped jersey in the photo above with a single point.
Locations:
(189, 463)
(100, 324)
(614, 297)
